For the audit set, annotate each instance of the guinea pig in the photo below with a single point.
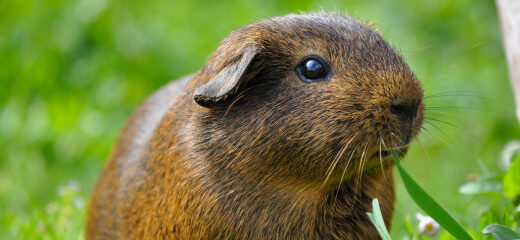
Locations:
(285, 133)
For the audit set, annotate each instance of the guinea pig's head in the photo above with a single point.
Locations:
(304, 96)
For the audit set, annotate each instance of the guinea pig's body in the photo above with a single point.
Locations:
(283, 134)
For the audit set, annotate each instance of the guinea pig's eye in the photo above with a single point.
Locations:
(312, 69)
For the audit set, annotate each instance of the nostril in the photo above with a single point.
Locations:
(400, 111)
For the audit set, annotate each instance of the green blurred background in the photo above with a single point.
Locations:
(72, 71)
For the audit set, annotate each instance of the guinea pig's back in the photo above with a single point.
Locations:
(122, 171)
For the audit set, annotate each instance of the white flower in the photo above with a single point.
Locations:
(427, 226)
(70, 189)
(73, 186)
(78, 202)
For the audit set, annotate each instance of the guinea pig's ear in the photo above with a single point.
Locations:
(225, 83)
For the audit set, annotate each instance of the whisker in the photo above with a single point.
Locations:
(445, 122)
(381, 157)
(395, 135)
(453, 108)
(438, 138)
(438, 128)
(472, 137)
(341, 151)
(384, 145)
(476, 95)
(445, 113)
(333, 163)
(424, 132)
(383, 142)
(459, 94)
(336, 160)
(343, 175)
(424, 151)
(360, 169)
(447, 65)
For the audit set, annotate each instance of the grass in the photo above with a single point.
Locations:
(501, 219)
(72, 71)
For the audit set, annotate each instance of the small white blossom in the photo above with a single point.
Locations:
(78, 202)
(69, 189)
(427, 226)
(73, 185)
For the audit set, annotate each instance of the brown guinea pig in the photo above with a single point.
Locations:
(284, 134)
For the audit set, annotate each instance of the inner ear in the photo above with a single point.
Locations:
(222, 87)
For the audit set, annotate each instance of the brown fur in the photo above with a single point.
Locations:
(253, 163)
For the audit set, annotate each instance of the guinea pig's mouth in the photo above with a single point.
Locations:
(386, 152)
(383, 153)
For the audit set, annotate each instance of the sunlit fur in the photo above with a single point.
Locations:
(279, 159)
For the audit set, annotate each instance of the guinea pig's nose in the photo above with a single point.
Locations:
(401, 111)
(406, 115)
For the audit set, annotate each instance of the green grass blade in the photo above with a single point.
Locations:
(377, 220)
(511, 181)
(428, 205)
(501, 232)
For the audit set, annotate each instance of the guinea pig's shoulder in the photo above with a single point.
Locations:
(168, 94)
(143, 121)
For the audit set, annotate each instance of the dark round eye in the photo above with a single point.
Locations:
(312, 69)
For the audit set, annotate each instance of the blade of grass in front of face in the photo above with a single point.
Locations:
(377, 219)
(428, 205)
